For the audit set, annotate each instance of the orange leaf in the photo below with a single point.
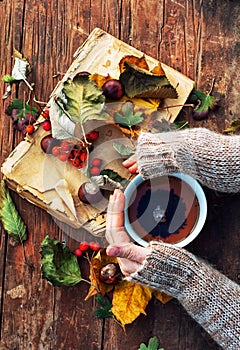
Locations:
(164, 298)
(158, 70)
(96, 263)
(129, 301)
(100, 79)
(139, 62)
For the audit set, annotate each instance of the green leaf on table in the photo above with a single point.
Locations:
(204, 103)
(152, 345)
(122, 149)
(10, 217)
(84, 100)
(8, 78)
(128, 117)
(105, 310)
(139, 82)
(59, 265)
(23, 108)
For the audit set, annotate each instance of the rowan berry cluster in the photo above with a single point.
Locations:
(85, 246)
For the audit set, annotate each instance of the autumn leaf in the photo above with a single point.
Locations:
(83, 100)
(163, 297)
(99, 79)
(128, 117)
(129, 301)
(20, 71)
(59, 265)
(139, 82)
(158, 70)
(203, 104)
(10, 217)
(96, 263)
(104, 311)
(234, 127)
(153, 344)
(122, 149)
(137, 61)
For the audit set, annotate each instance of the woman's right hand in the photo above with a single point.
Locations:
(131, 164)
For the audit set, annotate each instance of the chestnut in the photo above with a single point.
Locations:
(89, 192)
(48, 142)
(113, 89)
(110, 273)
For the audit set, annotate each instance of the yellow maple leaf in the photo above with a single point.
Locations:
(129, 301)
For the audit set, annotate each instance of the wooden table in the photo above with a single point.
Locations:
(198, 38)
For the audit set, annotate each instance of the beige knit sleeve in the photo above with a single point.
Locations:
(208, 296)
(211, 158)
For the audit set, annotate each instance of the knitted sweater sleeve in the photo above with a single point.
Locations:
(211, 158)
(209, 297)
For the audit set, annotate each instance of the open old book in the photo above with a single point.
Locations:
(53, 185)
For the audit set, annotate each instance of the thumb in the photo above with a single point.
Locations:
(129, 251)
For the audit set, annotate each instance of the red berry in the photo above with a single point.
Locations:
(81, 165)
(29, 129)
(56, 151)
(65, 146)
(45, 114)
(76, 162)
(83, 157)
(96, 162)
(46, 125)
(94, 246)
(83, 246)
(93, 136)
(94, 171)
(78, 253)
(63, 157)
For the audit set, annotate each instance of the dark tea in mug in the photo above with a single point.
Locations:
(164, 208)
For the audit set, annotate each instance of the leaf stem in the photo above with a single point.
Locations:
(178, 105)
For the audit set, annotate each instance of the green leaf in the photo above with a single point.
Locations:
(122, 149)
(233, 128)
(113, 175)
(84, 100)
(128, 117)
(104, 311)
(204, 102)
(181, 124)
(139, 82)
(152, 345)
(8, 78)
(59, 265)
(10, 217)
(23, 108)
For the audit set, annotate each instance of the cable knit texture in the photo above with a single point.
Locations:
(209, 157)
(210, 298)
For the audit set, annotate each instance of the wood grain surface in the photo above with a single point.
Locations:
(198, 38)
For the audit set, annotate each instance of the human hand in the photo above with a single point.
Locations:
(130, 256)
(131, 164)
